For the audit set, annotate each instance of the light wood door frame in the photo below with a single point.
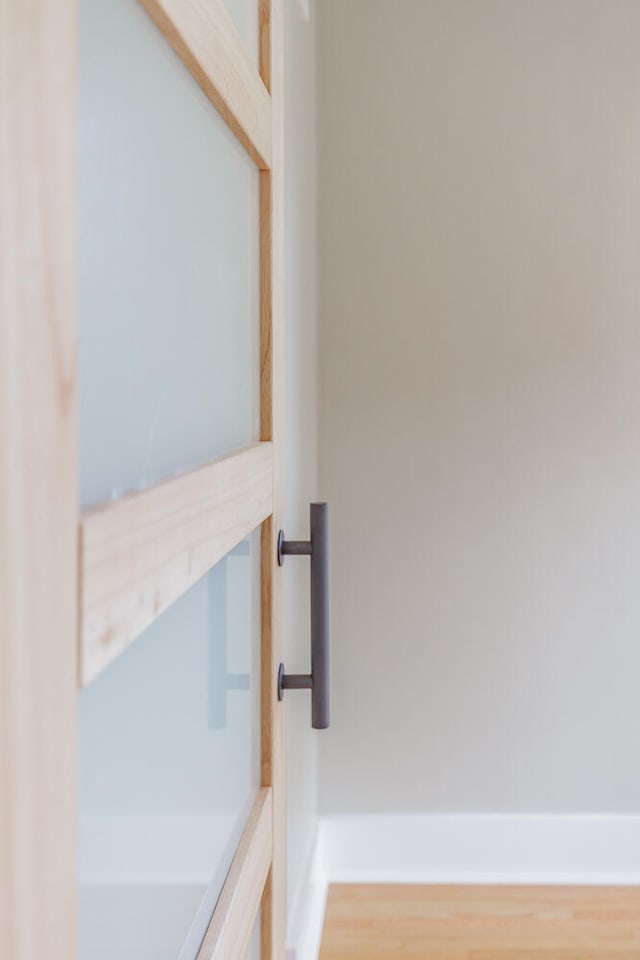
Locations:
(75, 590)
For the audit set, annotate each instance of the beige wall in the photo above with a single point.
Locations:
(479, 215)
(301, 466)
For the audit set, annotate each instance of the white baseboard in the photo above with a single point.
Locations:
(483, 848)
(463, 848)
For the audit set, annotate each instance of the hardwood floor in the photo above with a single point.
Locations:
(394, 922)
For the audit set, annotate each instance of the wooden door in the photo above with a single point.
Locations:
(79, 587)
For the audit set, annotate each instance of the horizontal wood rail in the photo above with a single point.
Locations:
(139, 554)
(203, 35)
(229, 932)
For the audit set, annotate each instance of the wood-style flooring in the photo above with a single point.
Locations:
(394, 922)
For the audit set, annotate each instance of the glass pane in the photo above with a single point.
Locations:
(246, 18)
(169, 267)
(169, 768)
(254, 952)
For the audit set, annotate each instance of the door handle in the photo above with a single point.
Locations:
(317, 547)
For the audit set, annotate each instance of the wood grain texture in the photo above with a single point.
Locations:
(140, 554)
(385, 922)
(229, 932)
(203, 35)
(272, 375)
(38, 495)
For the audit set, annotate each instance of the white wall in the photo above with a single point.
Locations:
(301, 435)
(479, 237)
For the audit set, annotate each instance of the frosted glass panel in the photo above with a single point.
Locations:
(246, 18)
(169, 267)
(169, 768)
(254, 951)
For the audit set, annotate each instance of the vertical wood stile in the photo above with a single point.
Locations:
(271, 421)
(38, 504)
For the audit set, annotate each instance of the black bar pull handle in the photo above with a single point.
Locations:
(318, 680)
